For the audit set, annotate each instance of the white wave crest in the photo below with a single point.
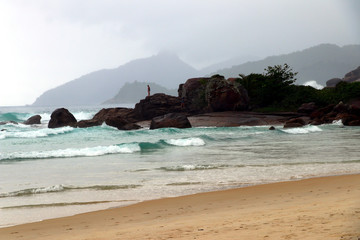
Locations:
(302, 130)
(25, 192)
(41, 132)
(83, 115)
(186, 142)
(72, 152)
(338, 123)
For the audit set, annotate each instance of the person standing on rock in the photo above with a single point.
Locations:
(148, 87)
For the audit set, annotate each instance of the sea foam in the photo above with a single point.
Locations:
(73, 152)
(41, 132)
(302, 130)
(186, 142)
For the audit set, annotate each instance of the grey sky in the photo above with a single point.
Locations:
(46, 43)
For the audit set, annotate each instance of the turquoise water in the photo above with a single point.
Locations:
(47, 173)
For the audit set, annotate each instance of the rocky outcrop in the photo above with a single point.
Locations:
(88, 123)
(295, 122)
(193, 92)
(121, 118)
(156, 105)
(36, 119)
(333, 82)
(223, 95)
(214, 94)
(307, 108)
(105, 113)
(353, 76)
(349, 114)
(174, 120)
(121, 123)
(61, 117)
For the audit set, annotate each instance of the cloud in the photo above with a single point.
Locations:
(47, 43)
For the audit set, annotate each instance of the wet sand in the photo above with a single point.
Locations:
(319, 208)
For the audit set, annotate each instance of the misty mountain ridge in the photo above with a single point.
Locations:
(97, 87)
(319, 63)
(135, 91)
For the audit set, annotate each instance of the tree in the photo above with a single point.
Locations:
(270, 87)
(282, 74)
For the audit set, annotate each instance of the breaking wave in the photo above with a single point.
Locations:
(62, 188)
(43, 132)
(101, 150)
(302, 130)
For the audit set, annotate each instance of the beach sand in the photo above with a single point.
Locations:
(318, 208)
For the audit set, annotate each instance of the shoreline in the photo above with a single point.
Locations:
(300, 209)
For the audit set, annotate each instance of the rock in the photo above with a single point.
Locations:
(214, 94)
(61, 117)
(33, 120)
(125, 113)
(294, 123)
(156, 105)
(316, 122)
(341, 108)
(349, 119)
(88, 123)
(354, 106)
(222, 95)
(175, 120)
(121, 123)
(333, 82)
(352, 76)
(193, 92)
(272, 128)
(321, 112)
(307, 108)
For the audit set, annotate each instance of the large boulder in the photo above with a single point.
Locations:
(353, 76)
(214, 94)
(105, 113)
(307, 108)
(157, 105)
(121, 123)
(295, 122)
(174, 120)
(333, 82)
(121, 118)
(349, 114)
(36, 119)
(222, 95)
(61, 117)
(193, 92)
(88, 123)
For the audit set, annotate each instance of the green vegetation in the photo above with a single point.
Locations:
(275, 90)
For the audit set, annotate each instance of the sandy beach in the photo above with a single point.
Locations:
(317, 208)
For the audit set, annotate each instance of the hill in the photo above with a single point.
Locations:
(319, 63)
(97, 87)
(134, 92)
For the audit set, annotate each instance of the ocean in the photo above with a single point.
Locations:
(48, 173)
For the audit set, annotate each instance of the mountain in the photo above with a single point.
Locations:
(95, 88)
(134, 92)
(319, 63)
(228, 63)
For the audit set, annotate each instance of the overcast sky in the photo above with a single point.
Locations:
(45, 43)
